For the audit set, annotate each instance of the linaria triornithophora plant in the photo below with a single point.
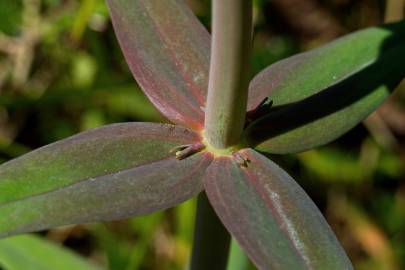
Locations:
(128, 169)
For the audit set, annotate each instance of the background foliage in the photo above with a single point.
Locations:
(62, 72)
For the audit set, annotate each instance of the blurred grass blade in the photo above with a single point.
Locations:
(108, 173)
(271, 217)
(237, 258)
(167, 50)
(34, 253)
(319, 95)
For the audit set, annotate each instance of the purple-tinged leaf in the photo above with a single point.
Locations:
(167, 49)
(108, 173)
(271, 216)
(319, 95)
(302, 75)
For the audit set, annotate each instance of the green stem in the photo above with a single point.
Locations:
(229, 72)
(211, 239)
(224, 117)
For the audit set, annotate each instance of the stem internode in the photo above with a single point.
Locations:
(229, 72)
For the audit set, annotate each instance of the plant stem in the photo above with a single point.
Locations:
(224, 117)
(211, 239)
(229, 72)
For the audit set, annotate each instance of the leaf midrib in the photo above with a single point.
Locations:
(81, 181)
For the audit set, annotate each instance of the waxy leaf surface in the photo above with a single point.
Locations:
(108, 173)
(167, 50)
(271, 216)
(34, 253)
(319, 95)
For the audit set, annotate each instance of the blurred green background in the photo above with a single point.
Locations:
(62, 72)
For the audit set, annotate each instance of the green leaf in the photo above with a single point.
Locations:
(167, 49)
(34, 253)
(10, 16)
(271, 216)
(319, 95)
(108, 173)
